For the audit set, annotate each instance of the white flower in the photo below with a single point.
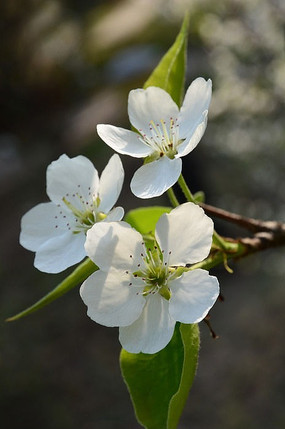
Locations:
(165, 134)
(141, 290)
(56, 230)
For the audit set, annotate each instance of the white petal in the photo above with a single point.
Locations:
(114, 244)
(186, 232)
(110, 299)
(123, 141)
(42, 223)
(153, 179)
(152, 331)
(196, 101)
(73, 178)
(60, 253)
(115, 215)
(151, 104)
(189, 144)
(193, 295)
(111, 182)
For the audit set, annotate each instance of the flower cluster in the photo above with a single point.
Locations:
(143, 288)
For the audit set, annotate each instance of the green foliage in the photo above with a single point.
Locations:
(190, 337)
(170, 72)
(74, 279)
(144, 219)
(199, 197)
(159, 383)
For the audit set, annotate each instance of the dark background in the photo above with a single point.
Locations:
(68, 65)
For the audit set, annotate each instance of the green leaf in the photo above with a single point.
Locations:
(170, 72)
(159, 383)
(75, 278)
(144, 219)
(199, 197)
(191, 341)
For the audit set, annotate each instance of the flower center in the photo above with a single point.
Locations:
(85, 216)
(161, 140)
(156, 273)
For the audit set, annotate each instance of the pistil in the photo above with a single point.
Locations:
(155, 273)
(162, 141)
(88, 216)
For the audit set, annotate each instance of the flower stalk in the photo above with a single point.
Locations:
(172, 197)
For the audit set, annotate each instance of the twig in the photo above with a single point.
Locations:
(254, 225)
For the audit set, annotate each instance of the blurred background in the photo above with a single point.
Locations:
(68, 65)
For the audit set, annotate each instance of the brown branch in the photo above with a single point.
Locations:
(243, 247)
(254, 225)
(264, 240)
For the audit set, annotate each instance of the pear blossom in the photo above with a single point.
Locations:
(165, 134)
(56, 230)
(143, 290)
